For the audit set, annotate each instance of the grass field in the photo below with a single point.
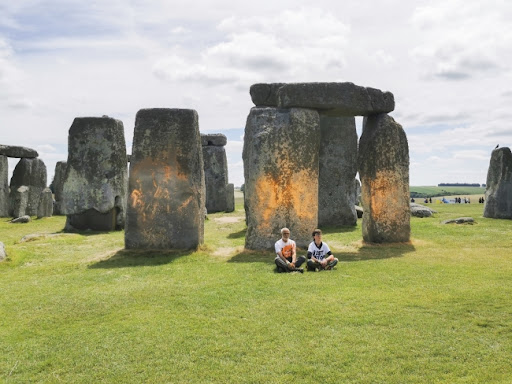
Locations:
(433, 191)
(77, 308)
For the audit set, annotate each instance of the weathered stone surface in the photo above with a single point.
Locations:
(357, 191)
(498, 192)
(230, 198)
(459, 220)
(265, 94)
(21, 220)
(4, 186)
(3, 254)
(336, 99)
(58, 185)
(166, 185)
(281, 175)
(215, 178)
(45, 208)
(96, 175)
(419, 210)
(92, 219)
(384, 173)
(30, 173)
(337, 171)
(214, 139)
(19, 201)
(16, 151)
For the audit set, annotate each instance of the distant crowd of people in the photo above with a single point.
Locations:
(457, 200)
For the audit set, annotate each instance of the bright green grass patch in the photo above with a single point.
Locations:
(431, 191)
(77, 308)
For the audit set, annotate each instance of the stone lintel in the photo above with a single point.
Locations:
(18, 152)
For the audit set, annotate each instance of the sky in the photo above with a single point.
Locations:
(448, 64)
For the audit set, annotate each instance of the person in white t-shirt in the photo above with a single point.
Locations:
(319, 254)
(286, 251)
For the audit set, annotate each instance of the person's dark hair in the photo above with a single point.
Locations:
(317, 232)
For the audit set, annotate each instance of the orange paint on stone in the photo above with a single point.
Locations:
(148, 202)
(387, 198)
(291, 193)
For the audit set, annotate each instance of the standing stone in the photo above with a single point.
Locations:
(230, 198)
(31, 173)
(96, 176)
(384, 172)
(45, 208)
(215, 176)
(166, 185)
(357, 191)
(4, 186)
(281, 175)
(19, 201)
(3, 254)
(337, 170)
(498, 193)
(58, 185)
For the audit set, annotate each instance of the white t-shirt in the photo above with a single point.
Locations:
(318, 253)
(287, 248)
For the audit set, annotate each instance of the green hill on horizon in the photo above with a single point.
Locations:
(434, 191)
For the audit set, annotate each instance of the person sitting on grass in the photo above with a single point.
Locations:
(319, 255)
(286, 259)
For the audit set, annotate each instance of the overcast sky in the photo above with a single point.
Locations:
(448, 64)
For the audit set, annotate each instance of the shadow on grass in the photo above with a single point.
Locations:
(370, 251)
(248, 256)
(340, 229)
(366, 252)
(140, 258)
(238, 235)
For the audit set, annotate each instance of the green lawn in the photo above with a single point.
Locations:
(77, 308)
(418, 192)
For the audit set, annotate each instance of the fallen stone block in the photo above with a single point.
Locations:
(22, 219)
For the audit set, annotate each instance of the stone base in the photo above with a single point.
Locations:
(92, 219)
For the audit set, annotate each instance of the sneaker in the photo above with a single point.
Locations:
(301, 270)
(332, 264)
(280, 270)
(312, 269)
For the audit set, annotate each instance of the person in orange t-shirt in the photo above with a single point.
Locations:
(286, 259)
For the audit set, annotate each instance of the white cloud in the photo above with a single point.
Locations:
(472, 44)
(287, 46)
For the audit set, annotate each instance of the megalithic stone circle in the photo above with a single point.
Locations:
(384, 171)
(4, 186)
(337, 170)
(281, 175)
(31, 173)
(498, 192)
(96, 177)
(166, 183)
